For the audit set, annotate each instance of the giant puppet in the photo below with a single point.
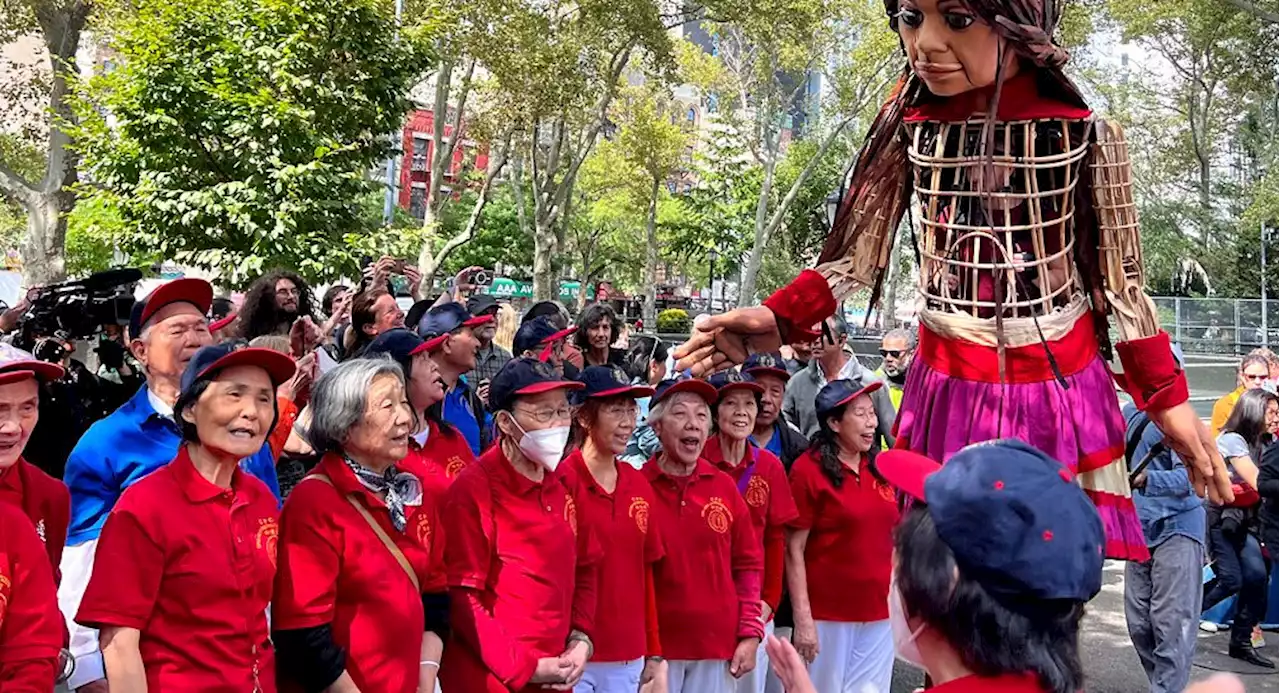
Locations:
(1024, 227)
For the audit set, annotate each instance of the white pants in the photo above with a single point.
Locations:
(611, 677)
(699, 676)
(853, 657)
(753, 682)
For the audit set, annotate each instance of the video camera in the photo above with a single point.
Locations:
(75, 310)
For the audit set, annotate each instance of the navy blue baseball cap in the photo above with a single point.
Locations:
(401, 344)
(608, 381)
(206, 363)
(197, 292)
(838, 393)
(685, 383)
(443, 320)
(766, 363)
(479, 304)
(1015, 518)
(537, 332)
(525, 376)
(727, 381)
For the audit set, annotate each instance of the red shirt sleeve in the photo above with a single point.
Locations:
(469, 517)
(280, 434)
(802, 492)
(127, 571)
(586, 588)
(748, 565)
(653, 635)
(774, 562)
(31, 627)
(308, 559)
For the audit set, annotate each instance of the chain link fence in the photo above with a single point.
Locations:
(1219, 325)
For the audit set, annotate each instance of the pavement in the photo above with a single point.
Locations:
(1110, 664)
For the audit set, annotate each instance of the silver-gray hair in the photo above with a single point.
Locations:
(899, 333)
(340, 396)
(659, 410)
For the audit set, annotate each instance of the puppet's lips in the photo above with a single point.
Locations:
(936, 69)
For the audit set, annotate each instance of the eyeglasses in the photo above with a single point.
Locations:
(894, 353)
(288, 292)
(543, 416)
(619, 411)
(1249, 376)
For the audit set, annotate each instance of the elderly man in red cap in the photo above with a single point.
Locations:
(166, 329)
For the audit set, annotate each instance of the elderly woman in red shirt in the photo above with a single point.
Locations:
(522, 569)
(615, 499)
(358, 553)
(841, 552)
(708, 586)
(762, 481)
(187, 558)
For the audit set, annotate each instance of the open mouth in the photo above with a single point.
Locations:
(242, 433)
(868, 438)
(7, 448)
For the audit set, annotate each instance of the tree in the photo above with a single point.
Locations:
(238, 135)
(768, 53)
(654, 144)
(44, 194)
(605, 235)
(555, 69)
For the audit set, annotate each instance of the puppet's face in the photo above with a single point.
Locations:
(950, 47)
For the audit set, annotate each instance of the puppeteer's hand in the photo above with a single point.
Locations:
(1187, 435)
(723, 341)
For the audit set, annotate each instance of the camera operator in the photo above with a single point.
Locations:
(68, 405)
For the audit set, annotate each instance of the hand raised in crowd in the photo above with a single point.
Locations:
(298, 388)
(744, 657)
(414, 275)
(653, 679)
(805, 638)
(551, 670)
(1191, 439)
(304, 336)
(722, 341)
(789, 667)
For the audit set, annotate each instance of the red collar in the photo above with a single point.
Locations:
(11, 478)
(495, 460)
(1020, 99)
(196, 488)
(653, 472)
(1005, 683)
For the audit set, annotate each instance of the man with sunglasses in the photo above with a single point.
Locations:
(896, 349)
(1254, 372)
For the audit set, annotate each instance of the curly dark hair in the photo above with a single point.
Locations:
(258, 313)
(592, 316)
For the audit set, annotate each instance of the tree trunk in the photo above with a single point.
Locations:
(651, 260)
(429, 264)
(747, 288)
(47, 202)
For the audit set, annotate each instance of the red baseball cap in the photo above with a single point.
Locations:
(17, 365)
(197, 292)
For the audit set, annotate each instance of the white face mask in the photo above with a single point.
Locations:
(546, 447)
(904, 639)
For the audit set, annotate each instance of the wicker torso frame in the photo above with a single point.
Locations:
(996, 234)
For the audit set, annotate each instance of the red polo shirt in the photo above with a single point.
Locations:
(631, 545)
(446, 453)
(335, 570)
(44, 500)
(768, 496)
(31, 628)
(190, 565)
(1006, 683)
(849, 554)
(522, 575)
(709, 583)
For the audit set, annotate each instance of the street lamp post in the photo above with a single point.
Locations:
(711, 281)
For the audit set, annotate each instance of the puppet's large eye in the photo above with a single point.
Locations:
(958, 21)
(912, 18)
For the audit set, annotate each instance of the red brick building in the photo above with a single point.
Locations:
(415, 167)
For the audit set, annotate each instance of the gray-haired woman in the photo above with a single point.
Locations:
(356, 546)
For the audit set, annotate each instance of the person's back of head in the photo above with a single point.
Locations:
(552, 310)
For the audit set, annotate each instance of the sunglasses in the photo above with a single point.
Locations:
(1248, 376)
(895, 353)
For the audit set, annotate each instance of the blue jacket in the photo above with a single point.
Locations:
(127, 445)
(1167, 505)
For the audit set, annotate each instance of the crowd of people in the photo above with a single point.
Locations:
(346, 496)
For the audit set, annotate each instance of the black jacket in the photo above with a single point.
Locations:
(1269, 489)
(793, 442)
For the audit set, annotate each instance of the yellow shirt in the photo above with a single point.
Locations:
(1222, 410)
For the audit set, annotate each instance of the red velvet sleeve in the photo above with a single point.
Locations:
(653, 641)
(800, 305)
(774, 551)
(1151, 375)
(748, 566)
